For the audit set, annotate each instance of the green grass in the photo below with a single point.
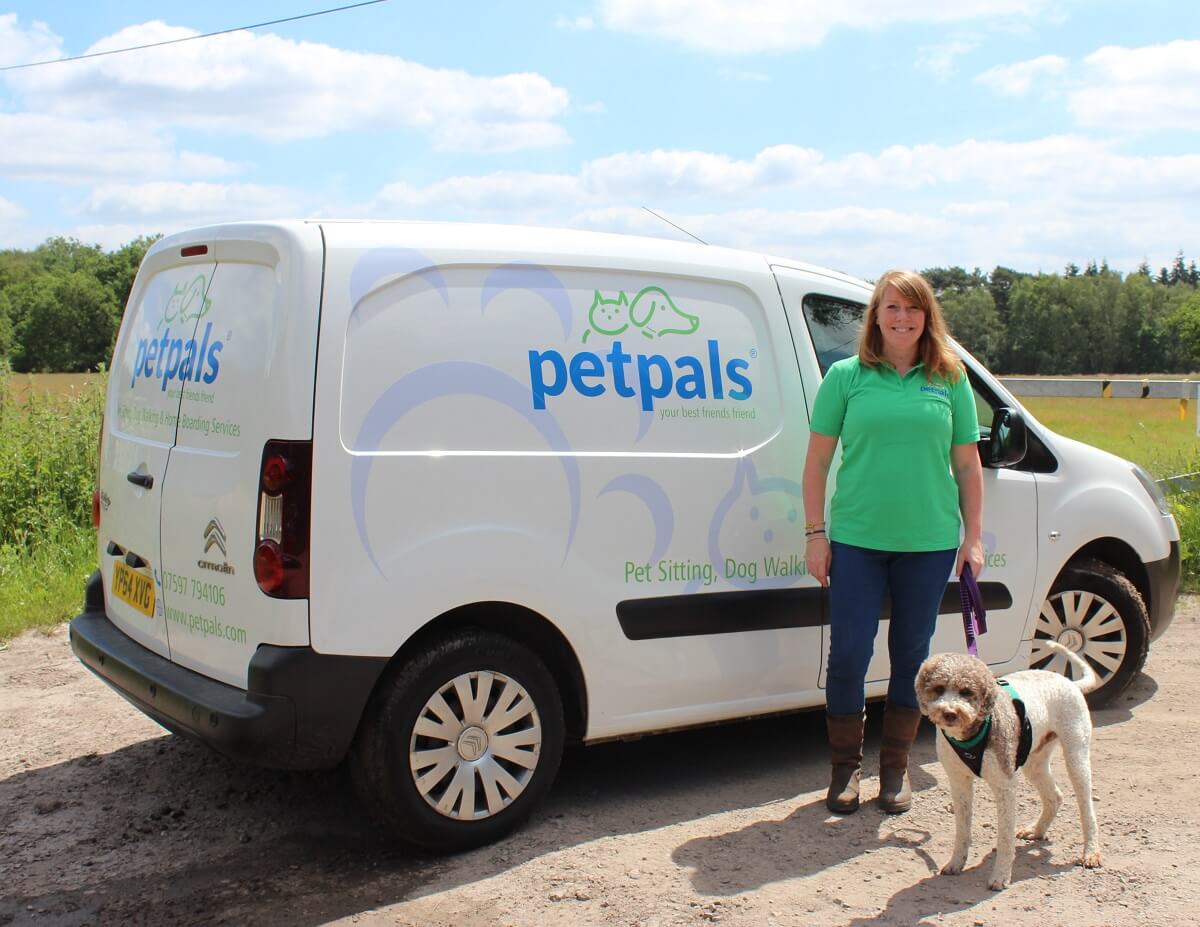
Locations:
(42, 586)
(48, 443)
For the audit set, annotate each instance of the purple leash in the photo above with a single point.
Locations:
(974, 617)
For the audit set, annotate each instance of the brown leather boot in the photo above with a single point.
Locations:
(846, 750)
(899, 731)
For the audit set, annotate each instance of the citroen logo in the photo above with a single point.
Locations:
(472, 744)
(214, 536)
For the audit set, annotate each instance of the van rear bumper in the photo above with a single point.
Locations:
(300, 710)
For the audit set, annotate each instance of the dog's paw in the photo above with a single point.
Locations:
(1091, 860)
(954, 867)
(999, 882)
(1030, 833)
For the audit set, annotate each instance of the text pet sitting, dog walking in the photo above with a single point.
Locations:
(904, 412)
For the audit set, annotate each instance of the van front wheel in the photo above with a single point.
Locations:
(460, 743)
(1096, 612)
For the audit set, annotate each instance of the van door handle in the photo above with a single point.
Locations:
(140, 479)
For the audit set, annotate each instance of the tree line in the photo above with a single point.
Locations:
(61, 305)
(1078, 322)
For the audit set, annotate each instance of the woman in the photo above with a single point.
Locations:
(905, 414)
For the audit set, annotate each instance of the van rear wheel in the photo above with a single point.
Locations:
(460, 743)
(1096, 612)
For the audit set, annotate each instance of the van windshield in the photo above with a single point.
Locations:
(833, 325)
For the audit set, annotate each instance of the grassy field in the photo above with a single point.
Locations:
(1146, 431)
(48, 429)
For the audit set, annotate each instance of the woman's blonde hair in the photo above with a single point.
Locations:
(933, 348)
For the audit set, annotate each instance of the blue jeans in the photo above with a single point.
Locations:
(859, 578)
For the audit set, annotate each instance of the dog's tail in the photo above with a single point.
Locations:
(1086, 677)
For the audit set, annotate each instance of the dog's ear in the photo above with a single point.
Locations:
(989, 690)
(922, 683)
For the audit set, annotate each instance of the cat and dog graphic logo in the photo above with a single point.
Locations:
(651, 311)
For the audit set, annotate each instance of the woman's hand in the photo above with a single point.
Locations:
(971, 552)
(817, 557)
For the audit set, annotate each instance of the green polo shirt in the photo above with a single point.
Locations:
(895, 489)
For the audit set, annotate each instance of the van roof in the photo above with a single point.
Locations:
(535, 239)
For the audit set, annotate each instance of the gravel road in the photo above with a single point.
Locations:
(107, 819)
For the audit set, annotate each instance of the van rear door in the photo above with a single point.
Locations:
(257, 336)
(140, 417)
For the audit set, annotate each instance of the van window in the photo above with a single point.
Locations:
(833, 325)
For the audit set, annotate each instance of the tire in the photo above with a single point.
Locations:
(459, 744)
(1096, 612)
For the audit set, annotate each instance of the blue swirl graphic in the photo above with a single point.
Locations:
(386, 262)
(536, 279)
(657, 503)
(746, 475)
(450, 378)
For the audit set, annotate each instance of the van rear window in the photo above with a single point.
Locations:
(834, 325)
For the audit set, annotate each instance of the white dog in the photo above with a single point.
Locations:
(959, 694)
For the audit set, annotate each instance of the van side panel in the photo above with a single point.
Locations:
(589, 435)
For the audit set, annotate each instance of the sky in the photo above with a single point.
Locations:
(855, 134)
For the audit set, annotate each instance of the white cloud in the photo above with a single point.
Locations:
(939, 60)
(1028, 205)
(51, 148)
(184, 204)
(276, 88)
(1054, 167)
(10, 211)
(25, 46)
(1149, 88)
(502, 192)
(779, 25)
(1017, 80)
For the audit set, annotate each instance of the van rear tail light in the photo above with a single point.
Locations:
(281, 546)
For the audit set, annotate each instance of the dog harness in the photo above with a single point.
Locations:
(971, 751)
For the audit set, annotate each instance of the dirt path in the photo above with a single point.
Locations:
(105, 819)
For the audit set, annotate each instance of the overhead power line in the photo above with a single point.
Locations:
(191, 38)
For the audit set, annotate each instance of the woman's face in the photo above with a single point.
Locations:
(900, 322)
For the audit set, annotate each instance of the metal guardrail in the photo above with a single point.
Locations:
(1184, 482)
(1099, 388)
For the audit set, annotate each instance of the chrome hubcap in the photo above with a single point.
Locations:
(475, 745)
(1084, 623)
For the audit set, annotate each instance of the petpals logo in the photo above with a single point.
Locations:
(647, 377)
(165, 358)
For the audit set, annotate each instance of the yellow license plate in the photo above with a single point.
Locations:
(134, 588)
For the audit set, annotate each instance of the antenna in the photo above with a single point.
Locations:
(673, 225)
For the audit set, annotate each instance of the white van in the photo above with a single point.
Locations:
(438, 498)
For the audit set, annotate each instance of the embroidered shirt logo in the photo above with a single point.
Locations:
(936, 390)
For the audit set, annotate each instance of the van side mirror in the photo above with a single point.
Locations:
(1006, 441)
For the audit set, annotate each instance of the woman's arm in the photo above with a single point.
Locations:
(816, 473)
(968, 473)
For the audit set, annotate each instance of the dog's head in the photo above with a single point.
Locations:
(956, 692)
